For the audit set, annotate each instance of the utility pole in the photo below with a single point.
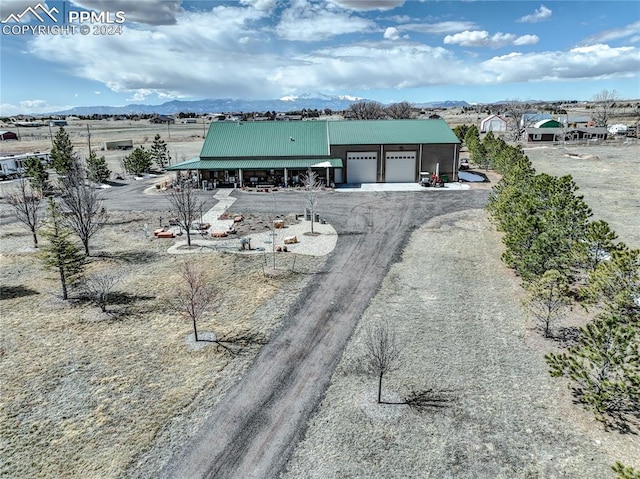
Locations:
(50, 135)
(89, 138)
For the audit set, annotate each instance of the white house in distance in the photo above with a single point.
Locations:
(493, 123)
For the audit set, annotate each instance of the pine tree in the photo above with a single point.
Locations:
(62, 156)
(600, 239)
(159, 152)
(615, 284)
(548, 298)
(604, 368)
(37, 174)
(60, 253)
(138, 162)
(97, 170)
(625, 472)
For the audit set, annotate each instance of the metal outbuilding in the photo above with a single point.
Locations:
(364, 151)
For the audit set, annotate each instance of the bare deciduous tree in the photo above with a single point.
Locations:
(515, 112)
(193, 297)
(367, 110)
(605, 106)
(312, 186)
(26, 204)
(398, 111)
(383, 351)
(187, 207)
(82, 206)
(99, 286)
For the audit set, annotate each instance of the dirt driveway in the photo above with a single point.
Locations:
(253, 430)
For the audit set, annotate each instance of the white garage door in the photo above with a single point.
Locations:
(400, 167)
(362, 167)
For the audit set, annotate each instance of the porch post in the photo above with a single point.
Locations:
(286, 179)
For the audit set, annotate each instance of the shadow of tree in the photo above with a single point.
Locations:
(566, 336)
(130, 257)
(11, 292)
(620, 416)
(429, 399)
(122, 297)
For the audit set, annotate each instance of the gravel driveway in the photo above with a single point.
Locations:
(253, 430)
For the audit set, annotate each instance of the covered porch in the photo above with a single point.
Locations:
(238, 173)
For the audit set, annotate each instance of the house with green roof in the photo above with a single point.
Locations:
(356, 151)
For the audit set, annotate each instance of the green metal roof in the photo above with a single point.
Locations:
(257, 164)
(266, 138)
(376, 132)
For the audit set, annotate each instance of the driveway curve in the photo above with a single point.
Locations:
(254, 428)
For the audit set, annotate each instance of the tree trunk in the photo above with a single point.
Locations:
(35, 239)
(85, 243)
(188, 237)
(380, 389)
(63, 282)
(195, 330)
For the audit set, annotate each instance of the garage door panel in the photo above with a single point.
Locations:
(400, 167)
(362, 167)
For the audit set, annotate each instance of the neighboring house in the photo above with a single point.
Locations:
(162, 119)
(493, 123)
(548, 123)
(577, 121)
(565, 134)
(362, 151)
(7, 135)
(530, 119)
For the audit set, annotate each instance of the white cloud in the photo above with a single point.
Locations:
(8, 7)
(30, 107)
(368, 4)
(192, 59)
(541, 14)
(438, 28)
(307, 22)
(526, 40)
(594, 62)
(632, 30)
(150, 12)
(481, 38)
(391, 33)
(265, 5)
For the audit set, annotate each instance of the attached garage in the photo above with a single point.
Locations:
(362, 167)
(400, 166)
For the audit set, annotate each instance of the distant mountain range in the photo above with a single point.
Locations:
(227, 105)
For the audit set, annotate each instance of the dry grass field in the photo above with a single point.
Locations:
(459, 321)
(608, 176)
(85, 394)
(184, 141)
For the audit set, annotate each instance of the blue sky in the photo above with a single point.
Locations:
(384, 50)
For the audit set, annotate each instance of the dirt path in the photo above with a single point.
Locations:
(254, 428)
